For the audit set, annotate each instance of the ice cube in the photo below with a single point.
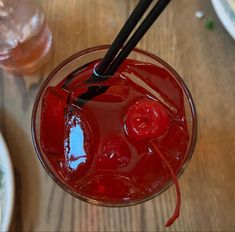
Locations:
(115, 153)
(148, 172)
(111, 187)
(175, 143)
(52, 121)
(115, 93)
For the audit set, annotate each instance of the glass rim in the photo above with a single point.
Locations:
(90, 200)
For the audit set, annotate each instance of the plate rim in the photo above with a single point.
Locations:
(10, 184)
(224, 18)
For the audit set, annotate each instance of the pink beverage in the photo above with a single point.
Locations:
(24, 35)
(123, 145)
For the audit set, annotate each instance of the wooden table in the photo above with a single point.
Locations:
(206, 61)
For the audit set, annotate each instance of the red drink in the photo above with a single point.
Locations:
(103, 150)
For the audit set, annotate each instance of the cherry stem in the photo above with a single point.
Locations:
(176, 214)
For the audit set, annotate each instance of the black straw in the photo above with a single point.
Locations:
(137, 36)
(107, 66)
(124, 33)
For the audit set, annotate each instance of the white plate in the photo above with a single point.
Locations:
(7, 189)
(225, 9)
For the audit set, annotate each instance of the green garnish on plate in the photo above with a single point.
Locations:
(209, 24)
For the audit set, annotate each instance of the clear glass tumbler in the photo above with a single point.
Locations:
(79, 60)
(25, 39)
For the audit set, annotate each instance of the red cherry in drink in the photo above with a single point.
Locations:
(146, 119)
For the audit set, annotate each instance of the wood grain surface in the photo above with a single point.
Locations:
(206, 61)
